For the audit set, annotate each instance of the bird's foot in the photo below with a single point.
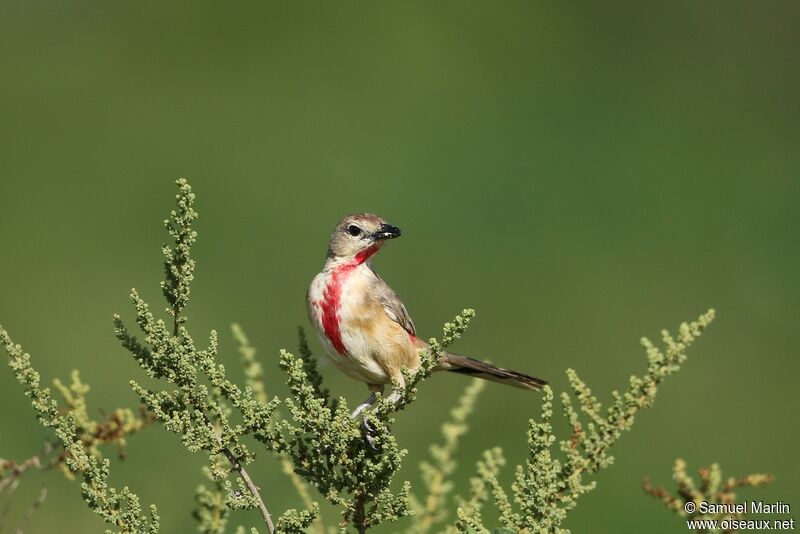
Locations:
(370, 433)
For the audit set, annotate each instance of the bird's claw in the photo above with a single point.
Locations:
(370, 433)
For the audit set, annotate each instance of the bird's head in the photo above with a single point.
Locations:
(359, 236)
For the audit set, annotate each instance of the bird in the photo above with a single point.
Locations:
(364, 327)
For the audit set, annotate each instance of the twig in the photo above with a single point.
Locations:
(239, 468)
(232, 459)
(31, 509)
(16, 469)
(360, 516)
(7, 505)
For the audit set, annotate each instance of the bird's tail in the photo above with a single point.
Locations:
(470, 366)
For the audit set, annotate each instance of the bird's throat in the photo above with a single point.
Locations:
(366, 254)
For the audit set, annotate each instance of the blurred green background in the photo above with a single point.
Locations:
(581, 174)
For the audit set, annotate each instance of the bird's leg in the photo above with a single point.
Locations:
(375, 389)
(400, 385)
(369, 431)
(393, 397)
(364, 405)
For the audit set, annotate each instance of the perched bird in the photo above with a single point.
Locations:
(362, 323)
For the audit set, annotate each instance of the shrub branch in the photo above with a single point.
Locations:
(320, 447)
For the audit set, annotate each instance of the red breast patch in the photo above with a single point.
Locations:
(332, 298)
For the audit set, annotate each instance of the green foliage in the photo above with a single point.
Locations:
(212, 512)
(433, 511)
(119, 508)
(253, 372)
(318, 443)
(482, 488)
(547, 486)
(711, 489)
(179, 265)
(200, 404)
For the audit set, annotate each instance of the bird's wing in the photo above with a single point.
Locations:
(393, 306)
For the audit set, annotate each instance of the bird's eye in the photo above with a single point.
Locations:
(353, 230)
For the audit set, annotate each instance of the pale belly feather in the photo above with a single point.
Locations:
(358, 319)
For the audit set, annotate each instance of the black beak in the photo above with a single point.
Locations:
(386, 231)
